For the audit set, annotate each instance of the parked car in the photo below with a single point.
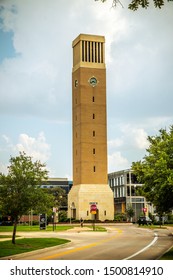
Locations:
(144, 220)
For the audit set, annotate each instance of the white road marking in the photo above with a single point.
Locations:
(145, 248)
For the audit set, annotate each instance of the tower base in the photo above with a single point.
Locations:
(82, 196)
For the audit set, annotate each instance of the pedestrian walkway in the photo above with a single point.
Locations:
(79, 229)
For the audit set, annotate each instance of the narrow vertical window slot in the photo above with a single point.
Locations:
(92, 50)
(99, 52)
(83, 51)
(95, 51)
(86, 51)
(89, 59)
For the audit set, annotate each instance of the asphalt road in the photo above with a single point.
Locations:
(120, 242)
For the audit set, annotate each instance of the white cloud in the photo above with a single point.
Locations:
(3, 168)
(6, 138)
(134, 136)
(140, 138)
(130, 146)
(36, 81)
(115, 143)
(35, 147)
(117, 162)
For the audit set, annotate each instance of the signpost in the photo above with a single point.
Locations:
(144, 210)
(53, 217)
(43, 221)
(93, 211)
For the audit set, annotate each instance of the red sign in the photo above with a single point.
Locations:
(93, 207)
(144, 210)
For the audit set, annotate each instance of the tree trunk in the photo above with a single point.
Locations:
(14, 232)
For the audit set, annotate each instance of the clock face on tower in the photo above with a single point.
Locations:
(93, 81)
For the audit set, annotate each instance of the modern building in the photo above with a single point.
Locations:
(90, 185)
(64, 183)
(126, 191)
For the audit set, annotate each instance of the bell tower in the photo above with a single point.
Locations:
(89, 130)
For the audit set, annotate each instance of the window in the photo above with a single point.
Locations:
(93, 99)
(93, 116)
(94, 151)
(94, 133)
(92, 52)
(94, 168)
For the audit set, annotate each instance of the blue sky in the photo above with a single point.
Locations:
(35, 78)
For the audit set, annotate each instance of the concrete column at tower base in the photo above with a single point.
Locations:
(82, 196)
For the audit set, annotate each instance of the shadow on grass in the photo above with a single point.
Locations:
(28, 244)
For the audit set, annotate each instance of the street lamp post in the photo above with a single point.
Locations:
(135, 202)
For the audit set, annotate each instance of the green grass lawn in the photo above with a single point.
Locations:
(28, 244)
(98, 228)
(155, 226)
(49, 228)
(168, 255)
(34, 228)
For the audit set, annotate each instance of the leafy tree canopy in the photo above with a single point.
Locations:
(20, 189)
(135, 4)
(130, 211)
(155, 171)
(60, 196)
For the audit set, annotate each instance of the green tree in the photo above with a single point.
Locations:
(155, 171)
(60, 196)
(20, 190)
(59, 202)
(135, 4)
(130, 212)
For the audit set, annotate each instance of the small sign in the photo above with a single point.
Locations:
(144, 210)
(93, 207)
(93, 212)
(43, 221)
(93, 203)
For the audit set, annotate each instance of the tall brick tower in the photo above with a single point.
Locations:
(89, 131)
